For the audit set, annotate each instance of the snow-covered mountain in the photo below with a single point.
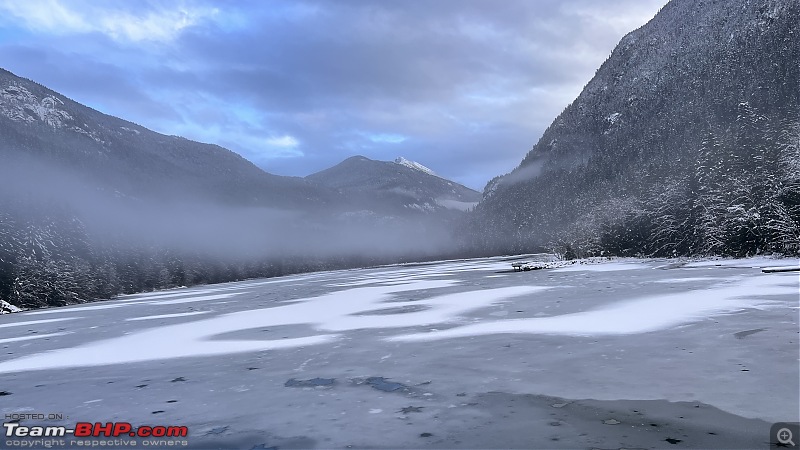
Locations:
(686, 141)
(92, 206)
(413, 165)
(395, 188)
(132, 161)
(39, 124)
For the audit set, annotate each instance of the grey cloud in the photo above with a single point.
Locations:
(89, 80)
(472, 84)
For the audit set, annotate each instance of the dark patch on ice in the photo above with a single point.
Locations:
(675, 265)
(426, 435)
(4, 393)
(396, 310)
(673, 441)
(314, 382)
(403, 300)
(157, 412)
(218, 430)
(178, 379)
(744, 334)
(381, 384)
(263, 447)
(252, 368)
(411, 409)
(172, 401)
(140, 386)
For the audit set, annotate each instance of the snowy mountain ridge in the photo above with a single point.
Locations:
(414, 165)
(21, 105)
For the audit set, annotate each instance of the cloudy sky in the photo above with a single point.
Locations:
(465, 87)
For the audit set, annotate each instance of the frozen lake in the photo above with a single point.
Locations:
(622, 353)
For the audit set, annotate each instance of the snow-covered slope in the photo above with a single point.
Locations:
(413, 165)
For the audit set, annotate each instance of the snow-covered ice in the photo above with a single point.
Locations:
(640, 315)
(35, 322)
(168, 316)
(606, 330)
(30, 337)
(602, 267)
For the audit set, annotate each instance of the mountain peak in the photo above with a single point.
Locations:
(358, 158)
(413, 165)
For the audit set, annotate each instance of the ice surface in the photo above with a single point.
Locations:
(200, 298)
(604, 267)
(28, 338)
(687, 280)
(168, 316)
(72, 309)
(635, 316)
(34, 322)
(782, 268)
(754, 262)
(679, 334)
(158, 296)
(337, 311)
(365, 306)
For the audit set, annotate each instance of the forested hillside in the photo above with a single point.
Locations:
(686, 142)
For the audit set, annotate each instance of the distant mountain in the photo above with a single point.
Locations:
(686, 141)
(395, 188)
(92, 206)
(39, 124)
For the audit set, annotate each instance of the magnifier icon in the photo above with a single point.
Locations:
(784, 436)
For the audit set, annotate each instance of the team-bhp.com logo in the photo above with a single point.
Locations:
(124, 434)
(97, 429)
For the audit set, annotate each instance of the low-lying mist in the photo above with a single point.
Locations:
(54, 221)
